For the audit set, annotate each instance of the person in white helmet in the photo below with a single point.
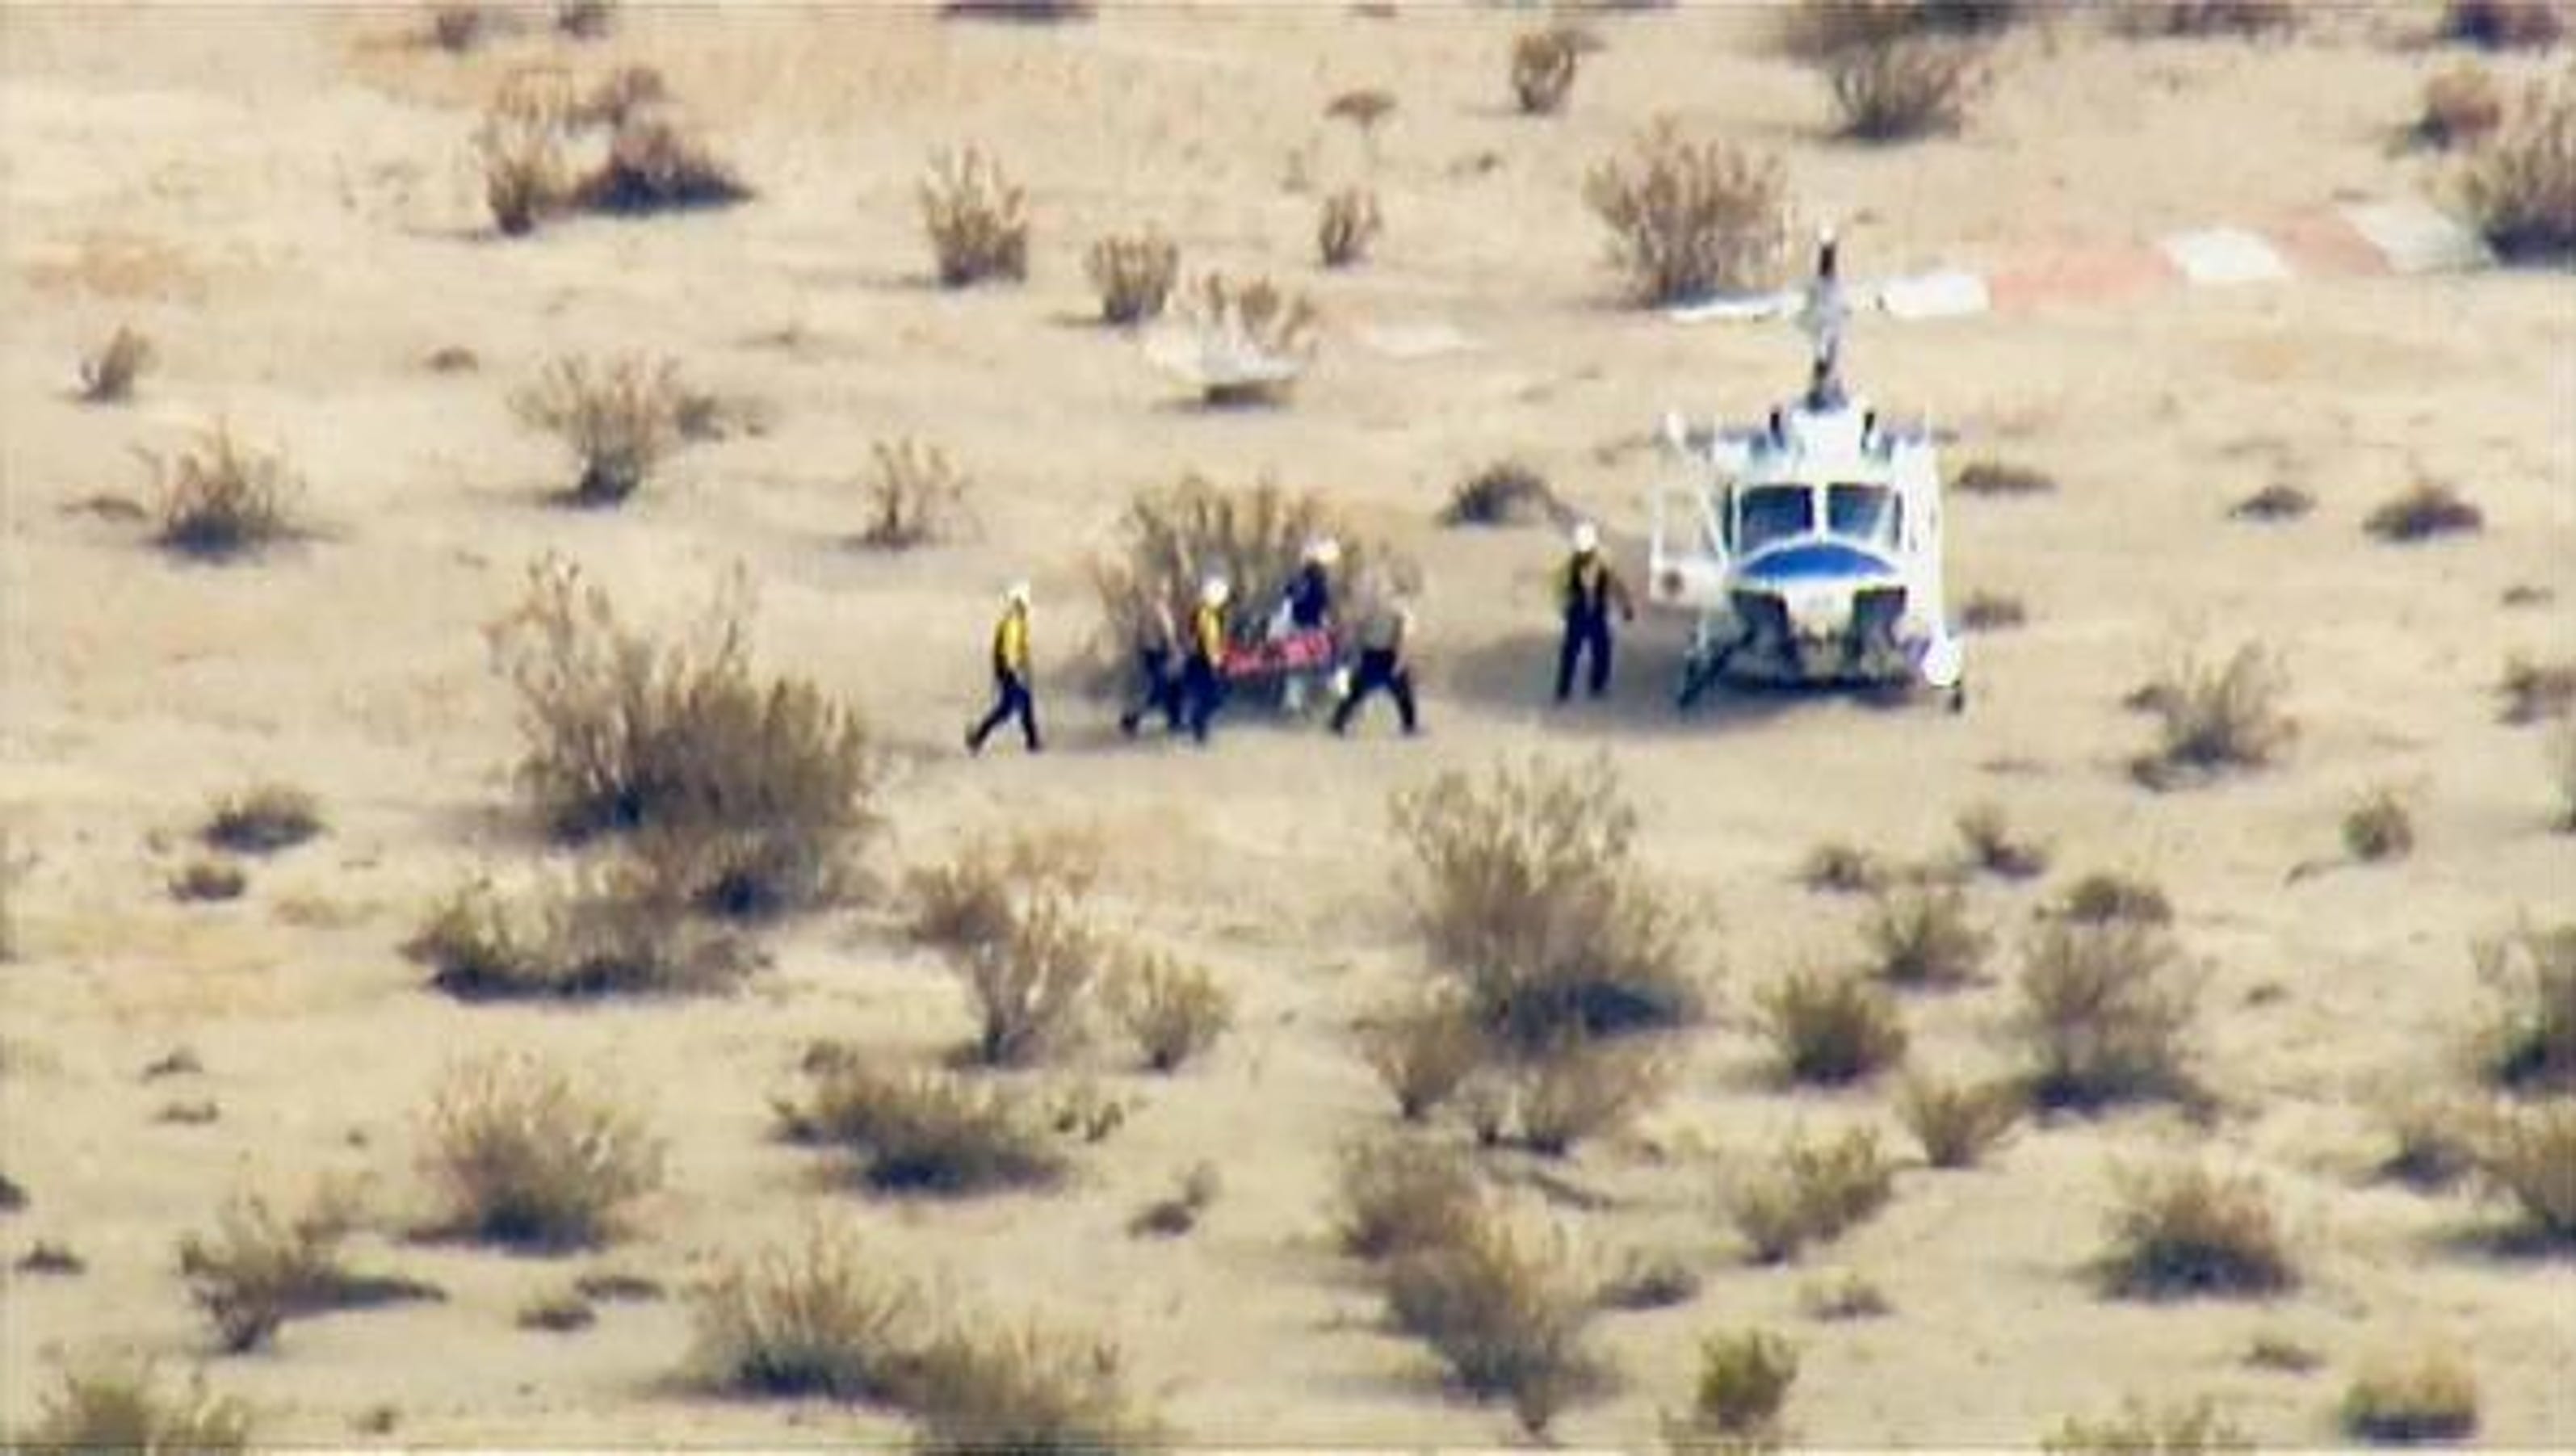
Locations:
(1012, 696)
(1588, 590)
(1307, 606)
(1203, 672)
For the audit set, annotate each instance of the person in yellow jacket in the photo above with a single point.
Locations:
(1012, 697)
(1588, 590)
(1203, 672)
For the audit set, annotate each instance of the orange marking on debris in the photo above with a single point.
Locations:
(2091, 275)
(2324, 242)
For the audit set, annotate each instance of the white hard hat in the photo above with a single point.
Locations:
(1587, 537)
(1324, 551)
(1018, 594)
(1214, 591)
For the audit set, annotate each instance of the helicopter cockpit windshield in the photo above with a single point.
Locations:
(1865, 513)
(1771, 513)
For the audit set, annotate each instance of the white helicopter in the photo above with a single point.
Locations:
(1808, 546)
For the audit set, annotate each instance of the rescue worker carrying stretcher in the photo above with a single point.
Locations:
(1385, 635)
(1158, 644)
(1203, 671)
(1012, 695)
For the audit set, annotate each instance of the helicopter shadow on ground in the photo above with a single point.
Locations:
(1517, 674)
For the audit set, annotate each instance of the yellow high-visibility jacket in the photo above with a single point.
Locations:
(1011, 643)
(1207, 634)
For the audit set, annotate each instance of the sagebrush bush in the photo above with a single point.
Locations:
(2504, 23)
(1172, 1010)
(108, 375)
(209, 879)
(1253, 338)
(1744, 1379)
(2207, 17)
(1544, 63)
(1171, 539)
(1838, 868)
(262, 819)
(2215, 719)
(1957, 1122)
(972, 899)
(1530, 901)
(916, 496)
(1506, 492)
(1579, 1092)
(618, 931)
(1816, 29)
(2378, 826)
(753, 794)
(2428, 1397)
(2528, 1155)
(2426, 509)
(1398, 1195)
(260, 1269)
(622, 95)
(1032, 988)
(656, 163)
(1830, 1027)
(2105, 1012)
(1992, 611)
(2463, 106)
(1507, 1311)
(1133, 274)
(1646, 1281)
(1906, 87)
(927, 1131)
(2141, 1430)
(825, 1317)
(123, 1407)
(222, 498)
(619, 417)
(977, 219)
(520, 1155)
(1178, 1214)
(1921, 935)
(2536, 689)
(456, 28)
(2186, 1232)
(2521, 185)
(1848, 1296)
(2279, 501)
(2432, 1144)
(2106, 895)
(1423, 1052)
(1688, 219)
(520, 145)
(1348, 224)
(2561, 749)
(1025, 1389)
(1993, 847)
(585, 19)
(1810, 1193)
(2529, 1041)
(2002, 477)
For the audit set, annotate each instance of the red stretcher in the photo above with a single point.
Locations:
(1307, 651)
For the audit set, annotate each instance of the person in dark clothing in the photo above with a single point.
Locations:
(1012, 697)
(1305, 607)
(1203, 671)
(1384, 639)
(1588, 590)
(1157, 645)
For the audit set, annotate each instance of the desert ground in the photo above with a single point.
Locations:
(284, 199)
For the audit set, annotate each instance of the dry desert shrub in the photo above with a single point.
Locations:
(263, 819)
(2105, 1014)
(1848, 1296)
(1958, 1122)
(2427, 1398)
(656, 163)
(2186, 1232)
(222, 498)
(1648, 1281)
(2528, 1044)
(2463, 106)
(123, 1407)
(1744, 1379)
(977, 219)
(1688, 219)
(2378, 827)
(1174, 1216)
(209, 879)
(2105, 896)
(585, 19)
(1366, 108)
(1507, 1311)
(2561, 749)
(2205, 18)
(520, 145)
(2279, 501)
(108, 375)
(1810, 1193)
(1815, 29)
(1531, 902)
(916, 496)
(1839, 868)
(1993, 847)
(927, 1131)
(1580, 1092)
(1033, 12)
(1423, 1052)
(1133, 275)
(621, 95)
(2215, 719)
(2432, 1144)
(1505, 493)
(1399, 1196)
(1172, 1010)
(1992, 611)
(1172, 539)
(558, 1312)
(756, 792)
(2534, 689)
(1253, 337)
(1032, 987)
(1899, 89)
(2521, 185)
(1830, 1028)
(619, 417)
(2140, 1430)
(1920, 936)
(826, 1317)
(1348, 225)
(2499, 24)
(1024, 1389)
(973, 899)
(2426, 509)
(1544, 63)
(2002, 477)
(260, 1270)
(616, 931)
(458, 28)
(2527, 1155)
(522, 1156)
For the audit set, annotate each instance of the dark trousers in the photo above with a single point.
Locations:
(1162, 691)
(1584, 632)
(1011, 699)
(1202, 692)
(1378, 670)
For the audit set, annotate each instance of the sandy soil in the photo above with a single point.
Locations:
(283, 200)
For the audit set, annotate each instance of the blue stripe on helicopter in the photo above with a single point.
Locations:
(1815, 560)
